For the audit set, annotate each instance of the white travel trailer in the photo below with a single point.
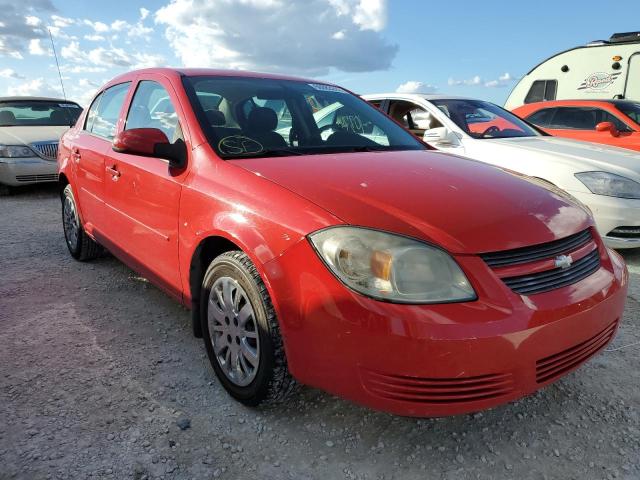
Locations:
(599, 70)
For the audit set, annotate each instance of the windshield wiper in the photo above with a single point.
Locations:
(271, 152)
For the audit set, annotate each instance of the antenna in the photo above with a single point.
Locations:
(57, 64)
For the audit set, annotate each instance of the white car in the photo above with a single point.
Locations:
(30, 128)
(606, 179)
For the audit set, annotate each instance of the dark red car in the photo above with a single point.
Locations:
(346, 255)
(611, 122)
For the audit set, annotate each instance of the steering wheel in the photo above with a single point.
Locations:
(491, 129)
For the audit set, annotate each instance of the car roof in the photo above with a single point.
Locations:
(196, 72)
(415, 96)
(36, 99)
(576, 102)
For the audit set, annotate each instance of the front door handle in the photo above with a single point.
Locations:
(113, 171)
(75, 155)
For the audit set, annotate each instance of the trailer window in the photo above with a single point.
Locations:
(542, 90)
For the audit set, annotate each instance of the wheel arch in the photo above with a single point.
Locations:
(209, 247)
(63, 181)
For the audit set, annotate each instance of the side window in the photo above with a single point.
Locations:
(604, 116)
(542, 90)
(91, 114)
(542, 117)
(376, 103)
(151, 107)
(103, 122)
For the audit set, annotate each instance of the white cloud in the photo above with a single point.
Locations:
(35, 87)
(62, 22)
(249, 34)
(104, 58)
(36, 48)
(94, 38)
(98, 27)
(144, 13)
(501, 81)
(32, 21)
(10, 73)
(19, 25)
(413, 86)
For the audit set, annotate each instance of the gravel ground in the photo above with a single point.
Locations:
(100, 377)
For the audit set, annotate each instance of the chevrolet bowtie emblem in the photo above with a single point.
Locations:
(563, 261)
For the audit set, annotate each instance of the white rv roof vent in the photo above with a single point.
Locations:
(625, 37)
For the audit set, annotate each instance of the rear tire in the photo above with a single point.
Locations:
(5, 190)
(241, 332)
(80, 245)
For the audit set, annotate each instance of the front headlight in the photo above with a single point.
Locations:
(15, 151)
(391, 267)
(604, 183)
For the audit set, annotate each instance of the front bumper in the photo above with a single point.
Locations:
(25, 171)
(611, 213)
(437, 360)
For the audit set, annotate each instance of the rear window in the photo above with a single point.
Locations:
(38, 113)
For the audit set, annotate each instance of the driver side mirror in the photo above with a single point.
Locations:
(608, 127)
(439, 135)
(151, 142)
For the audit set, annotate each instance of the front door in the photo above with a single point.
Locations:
(142, 194)
(88, 153)
(632, 90)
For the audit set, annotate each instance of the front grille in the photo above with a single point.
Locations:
(437, 390)
(555, 278)
(537, 252)
(47, 150)
(529, 280)
(554, 366)
(49, 177)
(625, 232)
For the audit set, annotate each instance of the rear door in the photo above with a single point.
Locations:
(142, 193)
(632, 90)
(88, 151)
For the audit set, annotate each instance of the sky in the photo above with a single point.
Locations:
(459, 47)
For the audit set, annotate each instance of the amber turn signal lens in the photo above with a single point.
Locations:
(381, 265)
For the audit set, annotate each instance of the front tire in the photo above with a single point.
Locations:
(81, 246)
(241, 332)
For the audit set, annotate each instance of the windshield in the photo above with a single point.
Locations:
(38, 113)
(631, 110)
(483, 119)
(259, 117)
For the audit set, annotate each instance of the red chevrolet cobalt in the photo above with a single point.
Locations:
(336, 250)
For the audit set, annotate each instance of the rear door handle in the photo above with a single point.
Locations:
(113, 171)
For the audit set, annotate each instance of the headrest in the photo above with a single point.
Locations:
(215, 118)
(7, 117)
(261, 120)
(59, 117)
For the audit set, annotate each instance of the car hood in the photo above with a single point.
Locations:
(463, 205)
(582, 156)
(27, 135)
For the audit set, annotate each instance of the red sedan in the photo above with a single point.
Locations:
(345, 255)
(612, 122)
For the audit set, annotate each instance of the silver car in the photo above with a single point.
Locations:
(30, 128)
